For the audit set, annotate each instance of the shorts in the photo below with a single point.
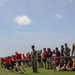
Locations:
(19, 63)
(48, 59)
(44, 60)
(39, 59)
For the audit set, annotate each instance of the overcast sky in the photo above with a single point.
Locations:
(43, 23)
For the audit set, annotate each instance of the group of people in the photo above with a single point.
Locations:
(45, 58)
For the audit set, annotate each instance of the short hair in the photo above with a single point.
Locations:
(32, 46)
(65, 43)
(44, 48)
(56, 48)
(48, 49)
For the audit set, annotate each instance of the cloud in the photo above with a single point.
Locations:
(22, 20)
(65, 1)
(70, 1)
(58, 16)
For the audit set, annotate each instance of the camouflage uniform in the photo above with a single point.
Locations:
(34, 61)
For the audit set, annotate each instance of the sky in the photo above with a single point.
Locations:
(43, 23)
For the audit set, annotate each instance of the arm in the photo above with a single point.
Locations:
(67, 65)
(69, 52)
(72, 49)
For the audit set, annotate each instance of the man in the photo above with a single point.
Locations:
(34, 61)
(39, 58)
(44, 57)
(57, 55)
(29, 59)
(19, 58)
(62, 50)
(49, 55)
(66, 52)
(73, 49)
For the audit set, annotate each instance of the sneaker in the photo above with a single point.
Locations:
(25, 72)
(6, 69)
(19, 71)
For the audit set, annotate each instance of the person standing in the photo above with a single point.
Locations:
(34, 60)
(62, 51)
(44, 57)
(57, 55)
(73, 49)
(67, 51)
(49, 59)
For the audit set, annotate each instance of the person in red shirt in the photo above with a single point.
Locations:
(70, 65)
(29, 58)
(53, 53)
(2, 62)
(49, 59)
(19, 57)
(44, 57)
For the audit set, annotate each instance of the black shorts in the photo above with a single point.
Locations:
(39, 59)
(12, 65)
(19, 63)
(44, 60)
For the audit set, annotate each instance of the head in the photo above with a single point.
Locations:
(66, 45)
(44, 49)
(56, 48)
(48, 49)
(53, 50)
(70, 60)
(33, 47)
(28, 52)
(16, 53)
(41, 51)
(62, 47)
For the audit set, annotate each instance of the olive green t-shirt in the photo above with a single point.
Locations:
(33, 54)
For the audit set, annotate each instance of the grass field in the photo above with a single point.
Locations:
(41, 71)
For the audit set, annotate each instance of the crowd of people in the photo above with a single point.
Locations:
(45, 58)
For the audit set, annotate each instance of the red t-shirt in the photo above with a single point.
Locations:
(53, 53)
(44, 54)
(71, 64)
(19, 56)
(29, 56)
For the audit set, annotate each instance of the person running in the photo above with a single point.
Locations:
(34, 60)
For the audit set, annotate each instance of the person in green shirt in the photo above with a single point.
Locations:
(34, 60)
